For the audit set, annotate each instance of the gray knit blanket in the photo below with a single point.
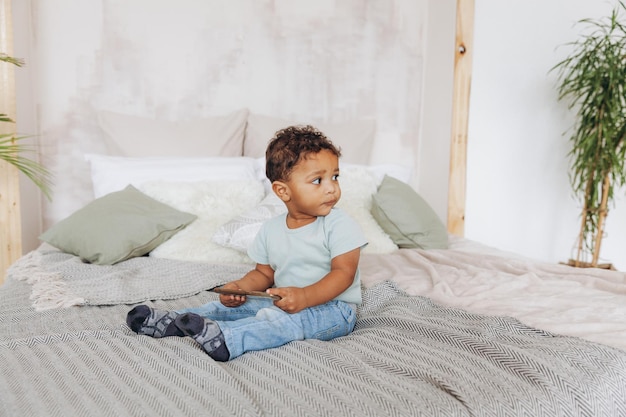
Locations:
(406, 357)
(59, 279)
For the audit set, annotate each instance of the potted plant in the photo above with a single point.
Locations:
(593, 80)
(12, 151)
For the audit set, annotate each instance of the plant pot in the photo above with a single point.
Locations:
(572, 262)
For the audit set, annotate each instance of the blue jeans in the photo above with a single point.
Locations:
(259, 324)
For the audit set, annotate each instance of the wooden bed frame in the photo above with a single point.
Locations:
(10, 218)
(460, 115)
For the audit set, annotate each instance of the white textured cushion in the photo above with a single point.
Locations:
(114, 173)
(358, 186)
(214, 203)
(239, 232)
(136, 136)
(354, 138)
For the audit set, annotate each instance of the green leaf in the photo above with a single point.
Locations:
(11, 60)
(11, 151)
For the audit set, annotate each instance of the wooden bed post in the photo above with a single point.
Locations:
(10, 219)
(460, 115)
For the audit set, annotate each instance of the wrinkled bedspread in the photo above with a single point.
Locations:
(584, 302)
(407, 356)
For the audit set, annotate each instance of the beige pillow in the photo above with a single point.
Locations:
(354, 138)
(135, 136)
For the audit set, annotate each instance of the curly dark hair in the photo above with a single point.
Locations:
(290, 145)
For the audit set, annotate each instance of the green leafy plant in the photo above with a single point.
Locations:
(593, 79)
(12, 149)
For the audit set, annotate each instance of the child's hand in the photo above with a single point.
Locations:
(293, 299)
(232, 300)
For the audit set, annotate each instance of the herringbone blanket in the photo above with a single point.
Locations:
(406, 357)
(62, 280)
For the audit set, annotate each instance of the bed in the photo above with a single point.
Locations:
(448, 327)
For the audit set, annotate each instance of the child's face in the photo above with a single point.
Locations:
(313, 185)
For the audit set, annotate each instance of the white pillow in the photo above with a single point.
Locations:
(214, 202)
(399, 172)
(136, 136)
(114, 173)
(354, 138)
(358, 186)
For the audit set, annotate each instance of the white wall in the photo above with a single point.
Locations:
(518, 192)
(433, 166)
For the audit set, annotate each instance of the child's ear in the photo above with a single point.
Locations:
(281, 190)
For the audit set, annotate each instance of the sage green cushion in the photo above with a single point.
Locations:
(406, 217)
(115, 227)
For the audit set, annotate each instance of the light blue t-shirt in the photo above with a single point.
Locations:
(302, 256)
